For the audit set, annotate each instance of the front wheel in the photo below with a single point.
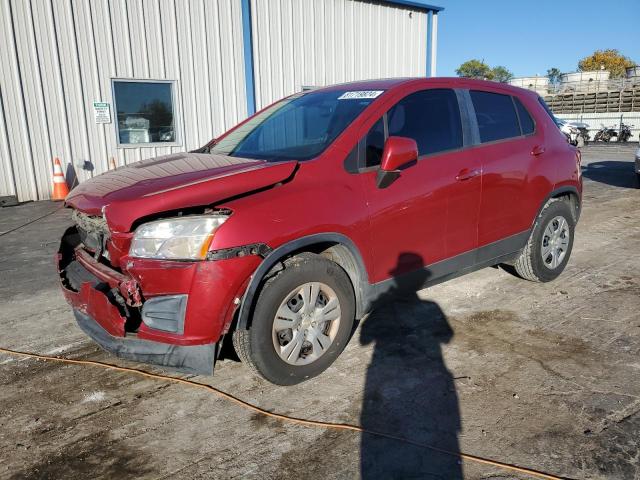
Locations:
(549, 247)
(301, 323)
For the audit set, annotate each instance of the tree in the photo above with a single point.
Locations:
(611, 59)
(475, 69)
(501, 74)
(554, 75)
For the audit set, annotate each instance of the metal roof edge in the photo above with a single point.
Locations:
(416, 3)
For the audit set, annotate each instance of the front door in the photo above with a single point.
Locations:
(430, 213)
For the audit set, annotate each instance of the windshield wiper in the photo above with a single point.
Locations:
(204, 149)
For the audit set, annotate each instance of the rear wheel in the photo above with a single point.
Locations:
(549, 247)
(301, 323)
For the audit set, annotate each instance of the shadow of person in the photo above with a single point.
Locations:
(408, 391)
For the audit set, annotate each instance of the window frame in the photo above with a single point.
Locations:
(177, 117)
(464, 129)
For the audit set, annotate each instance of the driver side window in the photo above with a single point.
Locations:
(374, 144)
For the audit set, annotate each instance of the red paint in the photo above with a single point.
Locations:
(444, 205)
(126, 201)
(397, 152)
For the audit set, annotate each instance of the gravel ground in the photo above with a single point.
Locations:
(543, 376)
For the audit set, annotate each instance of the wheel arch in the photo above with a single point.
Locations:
(334, 246)
(570, 193)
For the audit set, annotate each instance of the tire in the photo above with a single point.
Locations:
(263, 347)
(532, 264)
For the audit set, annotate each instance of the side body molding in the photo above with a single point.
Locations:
(358, 276)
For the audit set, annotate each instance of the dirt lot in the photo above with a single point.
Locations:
(544, 376)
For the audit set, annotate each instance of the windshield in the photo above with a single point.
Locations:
(299, 127)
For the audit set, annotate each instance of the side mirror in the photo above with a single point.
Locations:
(398, 152)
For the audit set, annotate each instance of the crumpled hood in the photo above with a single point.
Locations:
(172, 182)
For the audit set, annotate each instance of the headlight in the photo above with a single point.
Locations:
(180, 238)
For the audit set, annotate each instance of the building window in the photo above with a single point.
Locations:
(144, 111)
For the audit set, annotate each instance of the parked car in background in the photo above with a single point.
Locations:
(282, 232)
(583, 133)
(571, 132)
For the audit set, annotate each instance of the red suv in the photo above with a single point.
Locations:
(282, 232)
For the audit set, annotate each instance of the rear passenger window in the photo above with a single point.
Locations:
(526, 122)
(430, 117)
(496, 116)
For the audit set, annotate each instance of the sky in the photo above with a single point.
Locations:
(529, 37)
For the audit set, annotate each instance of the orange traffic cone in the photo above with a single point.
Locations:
(112, 164)
(60, 189)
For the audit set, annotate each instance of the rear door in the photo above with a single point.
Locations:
(505, 154)
(431, 210)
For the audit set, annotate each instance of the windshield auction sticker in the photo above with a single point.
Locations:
(360, 94)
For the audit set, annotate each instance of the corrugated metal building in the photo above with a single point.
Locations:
(91, 80)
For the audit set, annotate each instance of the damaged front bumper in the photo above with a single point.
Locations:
(198, 359)
(166, 313)
(104, 314)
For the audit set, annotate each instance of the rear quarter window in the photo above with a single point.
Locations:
(549, 112)
(496, 116)
(526, 122)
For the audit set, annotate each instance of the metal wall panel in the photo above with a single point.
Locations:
(59, 56)
(321, 42)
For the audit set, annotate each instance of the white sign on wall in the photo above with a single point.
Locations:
(102, 112)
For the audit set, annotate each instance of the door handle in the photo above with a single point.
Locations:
(537, 150)
(466, 174)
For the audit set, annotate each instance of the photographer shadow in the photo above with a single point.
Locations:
(409, 392)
